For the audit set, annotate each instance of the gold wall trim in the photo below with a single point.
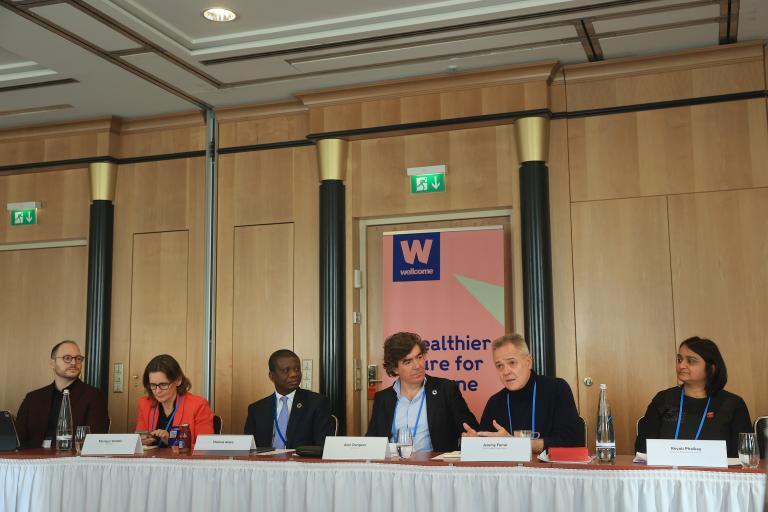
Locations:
(103, 179)
(332, 158)
(532, 139)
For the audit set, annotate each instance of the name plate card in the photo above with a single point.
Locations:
(224, 445)
(495, 449)
(355, 448)
(112, 444)
(702, 454)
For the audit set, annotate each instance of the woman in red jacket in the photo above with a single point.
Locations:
(169, 403)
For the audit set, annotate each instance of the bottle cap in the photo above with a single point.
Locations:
(603, 386)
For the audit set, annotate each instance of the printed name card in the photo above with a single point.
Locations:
(703, 454)
(224, 445)
(112, 444)
(495, 449)
(355, 448)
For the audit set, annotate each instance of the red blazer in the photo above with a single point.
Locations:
(193, 411)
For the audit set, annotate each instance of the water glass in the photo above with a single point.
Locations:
(404, 443)
(530, 434)
(749, 456)
(80, 433)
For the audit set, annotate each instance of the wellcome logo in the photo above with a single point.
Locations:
(416, 257)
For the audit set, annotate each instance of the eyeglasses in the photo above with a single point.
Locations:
(69, 359)
(161, 385)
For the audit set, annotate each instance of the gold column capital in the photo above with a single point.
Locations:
(532, 138)
(103, 179)
(332, 158)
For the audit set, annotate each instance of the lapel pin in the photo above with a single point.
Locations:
(298, 405)
(434, 391)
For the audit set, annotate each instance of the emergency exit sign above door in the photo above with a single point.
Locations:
(427, 179)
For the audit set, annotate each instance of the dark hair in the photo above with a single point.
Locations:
(170, 367)
(717, 373)
(59, 344)
(399, 345)
(279, 354)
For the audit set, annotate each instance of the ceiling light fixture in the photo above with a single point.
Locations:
(220, 14)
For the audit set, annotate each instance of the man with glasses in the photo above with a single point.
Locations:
(39, 412)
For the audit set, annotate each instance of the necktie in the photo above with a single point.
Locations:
(282, 423)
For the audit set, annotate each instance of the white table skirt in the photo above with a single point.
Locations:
(75, 484)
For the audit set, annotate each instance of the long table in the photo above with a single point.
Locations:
(40, 480)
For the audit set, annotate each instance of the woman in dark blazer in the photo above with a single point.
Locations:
(416, 397)
(700, 408)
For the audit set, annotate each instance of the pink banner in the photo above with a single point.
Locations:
(448, 286)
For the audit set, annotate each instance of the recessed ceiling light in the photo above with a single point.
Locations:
(219, 14)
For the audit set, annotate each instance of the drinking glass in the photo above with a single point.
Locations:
(526, 433)
(404, 443)
(749, 456)
(80, 433)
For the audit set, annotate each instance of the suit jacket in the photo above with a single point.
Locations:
(193, 411)
(89, 407)
(308, 424)
(446, 411)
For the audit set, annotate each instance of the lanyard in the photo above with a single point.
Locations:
(277, 427)
(533, 411)
(418, 417)
(680, 415)
(173, 414)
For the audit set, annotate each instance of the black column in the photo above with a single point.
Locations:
(99, 295)
(537, 265)
(332, 338)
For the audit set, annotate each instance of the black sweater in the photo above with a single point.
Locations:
(557, 419)
(727, 416)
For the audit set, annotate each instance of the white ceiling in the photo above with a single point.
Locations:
(64, 60)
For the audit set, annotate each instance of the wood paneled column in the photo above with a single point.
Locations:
(332, 160)
(99, 303)
(532, 138)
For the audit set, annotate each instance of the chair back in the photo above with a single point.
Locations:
(335, 425)
(761, 432)
(584, 425)
(218, 424)
(637, 425)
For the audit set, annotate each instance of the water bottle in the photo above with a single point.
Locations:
(605, 440)
(64, 425)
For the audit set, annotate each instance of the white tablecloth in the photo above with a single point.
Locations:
(75, 484)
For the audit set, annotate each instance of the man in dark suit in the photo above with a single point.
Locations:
(290, 416)
(416, 395)
(39, 412)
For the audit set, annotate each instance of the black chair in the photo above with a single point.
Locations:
(761, 432)
(336, 425)
(218, 423)
(584, 424)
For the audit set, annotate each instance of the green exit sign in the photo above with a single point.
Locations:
(428, 183)
(22, 217)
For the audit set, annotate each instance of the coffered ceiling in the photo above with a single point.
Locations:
(75, 59)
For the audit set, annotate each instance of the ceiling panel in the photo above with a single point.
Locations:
(660, 41)
(161, 68)
(77, 22)
(393, 53)
(753, 20)
(659, 18)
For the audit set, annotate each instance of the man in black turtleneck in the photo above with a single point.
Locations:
(555, 419)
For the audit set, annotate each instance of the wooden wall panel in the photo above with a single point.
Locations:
(274, 187)
(38, 284)
(159, 299)
(671, 151)
(262, 316)
(57, 142)
(482, 172)
(719, 244)
(712, 71)
(623, 298)
(562, 260)
(152, 198)
(161, 135)
(262, 124)
(66, 199)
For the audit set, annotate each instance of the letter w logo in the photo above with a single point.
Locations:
(416, 251)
